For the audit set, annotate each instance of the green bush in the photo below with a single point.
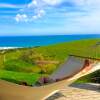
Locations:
(18, 65)
(48, 68)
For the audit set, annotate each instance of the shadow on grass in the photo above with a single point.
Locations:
(87, 86)
(10, 80)
(56, 96)
(16, 81)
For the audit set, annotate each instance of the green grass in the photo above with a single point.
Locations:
(89, 78)
(61, 51)
(20, 66)
(80, 47)
(18, 77)
(18, 69)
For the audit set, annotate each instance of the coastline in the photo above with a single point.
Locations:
(32, 41)
(7, 48)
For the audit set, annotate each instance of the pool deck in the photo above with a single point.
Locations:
(87, 91)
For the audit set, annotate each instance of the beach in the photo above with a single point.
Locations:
(6, 48)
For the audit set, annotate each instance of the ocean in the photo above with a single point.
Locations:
(32, 41)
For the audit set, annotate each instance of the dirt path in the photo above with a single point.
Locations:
(79, 92)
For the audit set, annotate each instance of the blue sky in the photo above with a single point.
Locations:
(49, 17)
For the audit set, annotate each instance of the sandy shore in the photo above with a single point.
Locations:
(6, 48)
(78, 92)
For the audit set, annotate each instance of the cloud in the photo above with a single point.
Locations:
(5, 5)
(79, 15)
(55, 16)
(88, 23)
(21, 17)
(40, 13)
(84, 22)
(37, 8)
(52, 2)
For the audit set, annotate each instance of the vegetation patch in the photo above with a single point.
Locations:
(24, 64)
(19, 77)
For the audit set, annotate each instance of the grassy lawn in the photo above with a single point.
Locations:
(90, 78)
(62, 50)
(18, 77)
(20, 66)
(17, 67)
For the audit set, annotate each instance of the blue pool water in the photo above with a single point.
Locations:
(31, 41)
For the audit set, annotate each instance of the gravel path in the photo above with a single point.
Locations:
(78, 92)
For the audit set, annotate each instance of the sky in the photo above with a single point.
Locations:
(49, 17)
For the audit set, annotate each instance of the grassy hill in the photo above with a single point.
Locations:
(18, 77)
(23, 62)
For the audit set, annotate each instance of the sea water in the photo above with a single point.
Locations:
(31, 41)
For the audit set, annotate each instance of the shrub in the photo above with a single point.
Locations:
(18, 65)
(48, 68)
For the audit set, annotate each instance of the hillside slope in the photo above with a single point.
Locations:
(24, 60)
